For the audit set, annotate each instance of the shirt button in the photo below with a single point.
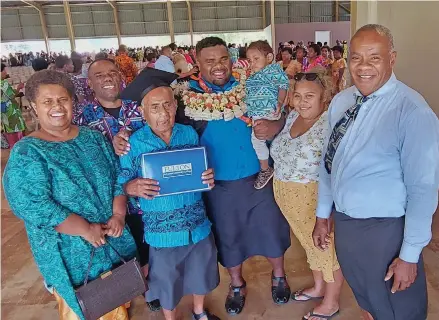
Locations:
(241, 148)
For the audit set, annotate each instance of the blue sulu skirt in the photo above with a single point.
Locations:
(246, 222)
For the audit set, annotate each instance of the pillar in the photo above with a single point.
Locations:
(69, 24)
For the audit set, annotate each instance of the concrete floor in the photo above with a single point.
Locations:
(24, 296)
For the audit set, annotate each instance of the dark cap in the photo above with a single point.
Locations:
(146, 81)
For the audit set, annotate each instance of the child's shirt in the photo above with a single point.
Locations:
(262, 90)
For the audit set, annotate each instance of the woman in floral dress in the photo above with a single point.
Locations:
(338, 69)
(287, 57)
(315, 58)
(297, 152)
(327, 56)
(13, 124)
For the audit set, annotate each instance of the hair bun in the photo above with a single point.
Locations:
(320, 70)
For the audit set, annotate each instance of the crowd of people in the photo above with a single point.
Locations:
(172, 58)
(289, 147)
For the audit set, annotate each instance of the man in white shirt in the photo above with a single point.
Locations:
(381, 170)
(165, 63)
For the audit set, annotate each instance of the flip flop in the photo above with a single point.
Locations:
(321, 316)
(308, 297)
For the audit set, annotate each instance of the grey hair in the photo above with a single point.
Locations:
(381, 30)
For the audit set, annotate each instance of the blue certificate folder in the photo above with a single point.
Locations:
(177, 171)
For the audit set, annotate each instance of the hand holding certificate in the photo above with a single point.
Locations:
(142, 188)
(208, 178)
(148, 188)
(172, 172)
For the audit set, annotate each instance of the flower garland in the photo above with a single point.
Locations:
(211, 106)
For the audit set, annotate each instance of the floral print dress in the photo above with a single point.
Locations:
(296, 167)
(298, 159)
(12, 118)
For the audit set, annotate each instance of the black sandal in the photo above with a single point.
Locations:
(281, 293)
(154, 305)
(206, 314)
(322, 316)
(235, 304)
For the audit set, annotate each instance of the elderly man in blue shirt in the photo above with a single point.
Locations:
(183, 256)
(381, 170)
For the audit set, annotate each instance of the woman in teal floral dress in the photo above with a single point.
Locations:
(13, 124)
(61, 180)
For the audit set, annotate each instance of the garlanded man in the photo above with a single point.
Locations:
(246, 222)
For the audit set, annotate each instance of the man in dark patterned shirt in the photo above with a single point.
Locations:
(111, 115)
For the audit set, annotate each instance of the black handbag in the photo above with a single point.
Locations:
(102, 295)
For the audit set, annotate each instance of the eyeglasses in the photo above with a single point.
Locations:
(308, 77)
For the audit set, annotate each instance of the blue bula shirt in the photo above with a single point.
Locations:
(387, 164)
(262, 90)
(173, 220)
(228, 143)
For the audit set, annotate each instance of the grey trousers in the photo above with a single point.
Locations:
(365, 249)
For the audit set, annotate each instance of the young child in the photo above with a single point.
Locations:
(183, 255)
(266, 90)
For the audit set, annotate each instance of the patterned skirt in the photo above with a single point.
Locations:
(298, 203)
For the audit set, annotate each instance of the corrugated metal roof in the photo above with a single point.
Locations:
(95, 18)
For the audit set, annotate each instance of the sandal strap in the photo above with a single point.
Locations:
(280, 280)
(237, 290)
(199, 316)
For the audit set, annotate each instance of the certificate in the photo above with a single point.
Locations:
(177, 171)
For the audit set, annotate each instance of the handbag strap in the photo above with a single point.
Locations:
(91, 260)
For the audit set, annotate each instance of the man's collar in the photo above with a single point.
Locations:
(227, 86)
(194, 84)
(386, 88)
(97, 104)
